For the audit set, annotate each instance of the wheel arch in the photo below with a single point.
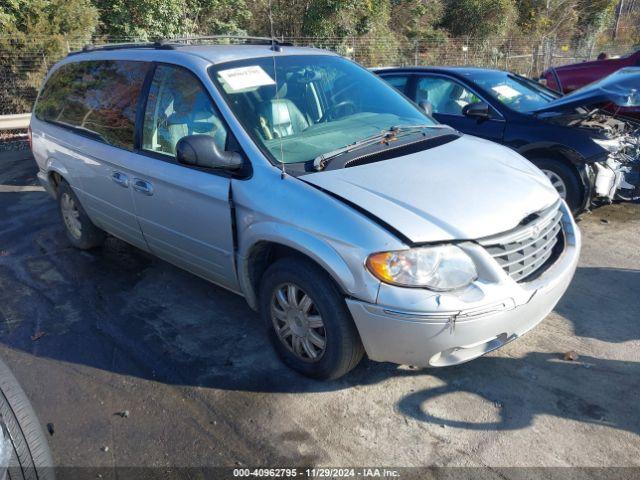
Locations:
(260, 254)
(570, 159)
(56, 173)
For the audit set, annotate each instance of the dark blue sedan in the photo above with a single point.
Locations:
(587, 154)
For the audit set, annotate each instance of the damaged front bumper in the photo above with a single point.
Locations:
(618, 177)
(615, 180)
(423, 328)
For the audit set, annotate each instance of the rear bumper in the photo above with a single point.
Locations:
(442, 337)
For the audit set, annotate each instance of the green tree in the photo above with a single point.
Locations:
(320, 18)
(593, 16)
(542, 18)
(141, 19)
(478, 19)
(417, 19)
(212, 17)
(36, 34)
(151, 19)
(339, 18)
(287, 17)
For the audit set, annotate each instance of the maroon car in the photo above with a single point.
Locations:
(568, 78)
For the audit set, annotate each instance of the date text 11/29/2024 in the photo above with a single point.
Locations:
(365, 472)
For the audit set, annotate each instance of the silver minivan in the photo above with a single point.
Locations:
(345, 215)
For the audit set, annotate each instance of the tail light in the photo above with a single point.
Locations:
(29, 137)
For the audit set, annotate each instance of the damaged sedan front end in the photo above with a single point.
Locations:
(615, 172)
(589, 154)
(618, 177)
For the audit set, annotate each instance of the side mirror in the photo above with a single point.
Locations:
(479, 110)
(426, 106)
(202, 151)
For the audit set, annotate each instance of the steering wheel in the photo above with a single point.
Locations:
(331, 112)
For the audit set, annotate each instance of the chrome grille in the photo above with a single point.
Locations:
(524, 250)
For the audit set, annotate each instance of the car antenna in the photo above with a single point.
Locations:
(276, 48)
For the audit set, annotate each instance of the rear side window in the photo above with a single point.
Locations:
(98, 98)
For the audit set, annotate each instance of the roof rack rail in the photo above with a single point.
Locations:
(172, 43)
(242, 38)
(162, 45)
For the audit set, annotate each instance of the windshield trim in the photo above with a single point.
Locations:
(212, 70)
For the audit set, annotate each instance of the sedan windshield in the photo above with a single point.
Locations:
(515, 92)
(311, 105)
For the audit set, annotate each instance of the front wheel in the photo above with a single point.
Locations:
(564, 179)
(307, 320)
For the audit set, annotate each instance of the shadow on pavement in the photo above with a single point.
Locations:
(604, 304)
(590, 391)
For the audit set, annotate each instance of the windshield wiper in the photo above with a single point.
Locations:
(321, 161)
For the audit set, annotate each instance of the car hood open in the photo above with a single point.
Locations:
(621, 88)
(463, 190)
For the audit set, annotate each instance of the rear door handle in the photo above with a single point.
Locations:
(120, 178)
(142, 186)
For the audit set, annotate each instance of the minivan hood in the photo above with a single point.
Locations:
(621, 88)
(465, 189)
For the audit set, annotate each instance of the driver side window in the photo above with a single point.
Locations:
(446, 96)
(178, 106)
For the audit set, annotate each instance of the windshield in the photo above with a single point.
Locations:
(320, 104)
(517, 93)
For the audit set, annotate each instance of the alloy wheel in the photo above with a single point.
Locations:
(298, 323)
(557, 183)
(71, 215)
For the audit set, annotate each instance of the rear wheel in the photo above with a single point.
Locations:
(307, 320)
(80, 230)
(564, 179)
(26, 445)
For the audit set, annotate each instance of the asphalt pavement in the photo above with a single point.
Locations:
(91, 335)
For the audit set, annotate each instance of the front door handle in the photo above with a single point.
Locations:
(142, 186)
(120, 178)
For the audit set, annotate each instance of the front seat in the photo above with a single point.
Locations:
(451, 106)
(194, 115)
(283, 117)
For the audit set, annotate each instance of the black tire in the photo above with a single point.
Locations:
(574, 195)
(343, 350)
(90, 236)
(31, 458)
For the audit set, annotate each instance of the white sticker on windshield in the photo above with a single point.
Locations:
(506, 91)
(244, 78)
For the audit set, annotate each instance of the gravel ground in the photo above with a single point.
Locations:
(120, 330)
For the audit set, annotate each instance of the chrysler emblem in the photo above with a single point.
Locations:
(535, 231)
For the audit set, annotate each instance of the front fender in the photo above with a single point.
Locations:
(551, 149)
(324, 251)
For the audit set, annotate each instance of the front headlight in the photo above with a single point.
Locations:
(609, 144)
(440, 268)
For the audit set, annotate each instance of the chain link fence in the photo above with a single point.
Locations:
(518, 54)
(24, 62)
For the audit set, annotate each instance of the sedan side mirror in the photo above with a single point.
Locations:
(479, 110)
(426, 106)
(202, 151)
